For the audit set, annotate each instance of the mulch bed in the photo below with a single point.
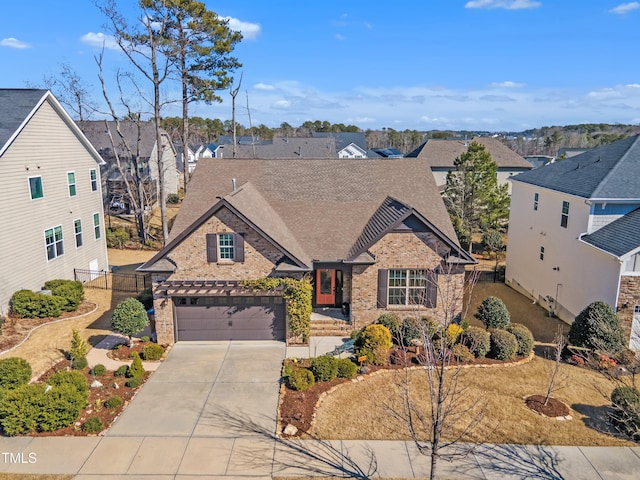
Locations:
(553, 408)
(123, 353)
(106, 415)
(15, 329)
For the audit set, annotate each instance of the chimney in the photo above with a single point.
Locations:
(233, 184)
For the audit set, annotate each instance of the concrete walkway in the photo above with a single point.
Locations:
(209, 412)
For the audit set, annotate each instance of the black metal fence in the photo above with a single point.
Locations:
(119, 282)
(491, 276)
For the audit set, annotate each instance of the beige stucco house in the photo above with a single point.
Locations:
(371, 235)
(574, 234)
(52, 217)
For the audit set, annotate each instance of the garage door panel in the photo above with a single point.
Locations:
(259, 318)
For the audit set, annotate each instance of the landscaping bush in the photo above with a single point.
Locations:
(134, 382)
(392, 322)
(462, 353)
(145, 297)
(301, 379)
(504, 345)
(92, 425)
(523, 336)
(477, 340)
(153, 351)
(98, 370)
(61, 407)
(173, 198)
(19, 409)
(626, 357)
(144, 339)
(14, 371)
(122, 371)
(129, 317)
(79, 347)
(324, 368)
(493, 313)
(376, 343)
(625, 400)
(117, 238)
(136, 370)
(113, 402)
(452, 334)
(346, 368)
(411, 329)
(79, 363)
(28, 304)
(76, 379)
(597, 327)
(72, 291)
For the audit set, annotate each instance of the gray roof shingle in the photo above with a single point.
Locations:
(15, 105)
(618, 237)
(608, 172)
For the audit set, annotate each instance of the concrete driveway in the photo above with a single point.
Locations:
(208, 389)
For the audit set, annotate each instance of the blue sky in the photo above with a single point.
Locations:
(438, 64)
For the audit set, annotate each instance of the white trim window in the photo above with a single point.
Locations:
(226, 246)
(93, 175)
(77, 228)
(410, 287)
(54, 242)
(536, 198)
(35, 187)
(96, 225)
(564, 218)
(71, 181)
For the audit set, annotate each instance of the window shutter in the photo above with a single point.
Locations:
(432, 289)
(383, 285)
(212, 247)
(238, 251)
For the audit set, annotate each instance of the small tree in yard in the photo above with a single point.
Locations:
(493, 313)
(129, 317)
(559, 342)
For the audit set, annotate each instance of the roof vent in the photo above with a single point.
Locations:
(233, 184)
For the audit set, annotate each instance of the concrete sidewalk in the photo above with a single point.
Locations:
(98, 354)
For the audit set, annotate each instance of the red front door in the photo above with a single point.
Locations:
(325, 287)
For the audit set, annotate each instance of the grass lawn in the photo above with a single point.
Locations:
(362, 410)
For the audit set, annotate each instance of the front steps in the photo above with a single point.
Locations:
(329, 322)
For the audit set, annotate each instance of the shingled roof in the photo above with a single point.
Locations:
(604, 173)
(326, 204)
(618, 237)
(442, 153)
(96, 132)
(294, 147)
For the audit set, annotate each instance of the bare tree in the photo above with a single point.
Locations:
(234, 92)
(555, 383)
(442, 417)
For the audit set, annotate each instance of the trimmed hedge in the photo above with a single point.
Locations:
(597, 327)
(28, 304)
(523, 336)
(392, 322)
(504, 345)
(301, 379)
(79, 363)
(113, 402)
(493, 313)
(121, 371)
(153, 351)
(462, 353)
(14, 371)
(375, 343)
(76, 379)
(477, 340)
(346, 368)
(129, 317)
(136, 370)
(626, 410)
(324, 368)
(92, 425)
(98, 370)
(134, 382)
(72, 291)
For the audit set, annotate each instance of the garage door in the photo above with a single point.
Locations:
(229, 318)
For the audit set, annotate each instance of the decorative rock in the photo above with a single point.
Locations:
(290, 430)
(359, 378)
(116, 386)
(96, 384)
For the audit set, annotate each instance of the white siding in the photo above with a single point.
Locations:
(583, 274)
(46, 147)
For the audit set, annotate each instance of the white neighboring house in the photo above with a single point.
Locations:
(352, 151)
(574, 234)
(52, 216)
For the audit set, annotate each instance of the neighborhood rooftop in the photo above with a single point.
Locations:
(604, 173)
(326, 203)
(15, 106)
(619, 237)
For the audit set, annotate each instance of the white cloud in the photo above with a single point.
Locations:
(264, 87)
(250, 31)
(281, 104)
(13, 43)
(506, 4)
(99, 39)
(624, 8)
(340, 36)
(507, 84)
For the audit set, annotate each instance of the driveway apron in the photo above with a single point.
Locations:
(208, 389)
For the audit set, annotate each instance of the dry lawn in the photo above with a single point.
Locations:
(362, 410)
(33, 476)
(47, 344)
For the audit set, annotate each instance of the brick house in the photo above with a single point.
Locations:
(369, 233)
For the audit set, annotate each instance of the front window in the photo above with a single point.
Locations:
(53, 242)
(71, 180)
(77, 226)
(35, 187)
(408, 287)
(535, 201)
(564, 218)
(225, 242)
(96, 225)
(94, 180)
